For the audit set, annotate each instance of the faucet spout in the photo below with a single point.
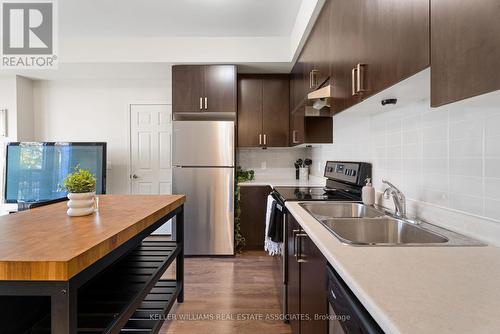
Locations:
(398, 198)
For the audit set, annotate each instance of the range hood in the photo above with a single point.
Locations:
(321, 102)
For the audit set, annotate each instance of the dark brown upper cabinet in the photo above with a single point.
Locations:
(276, 110)
(297, 126)
(298, 87)
(346, 51)
(362, 47)
(187, 88)
(465, 49)
(249, 111)
(395, 42)
(310, 129)
(374, 45)
(200, 88)
(316, 55)
(263, 110)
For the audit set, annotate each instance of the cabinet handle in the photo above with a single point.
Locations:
(299, 257)
(206, 103)
(294, 137)
(314, 82)
(260, 139)
(353, 74)
(201, 103)
(294, 233)
(360, 78)
(265, 139)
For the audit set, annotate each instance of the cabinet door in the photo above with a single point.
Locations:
(187, 88)
(250, 111)
(465, 49)
(275, 111)
(307, 59)
(297, 128)
(318, 56)
(293, 277)
(253, 206)
(220, 88)
(313, 287)
(397, 41)
(297, 87)
(346, 19)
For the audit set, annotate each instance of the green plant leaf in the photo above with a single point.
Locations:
(81, 181)
(241, 176)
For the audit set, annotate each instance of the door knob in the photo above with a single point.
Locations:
(134, 176)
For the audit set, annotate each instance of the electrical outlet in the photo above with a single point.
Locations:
(263, 165)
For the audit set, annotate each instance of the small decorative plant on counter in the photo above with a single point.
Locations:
(241, 176)
(81, 192)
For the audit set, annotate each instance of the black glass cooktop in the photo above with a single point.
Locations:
(312, 194)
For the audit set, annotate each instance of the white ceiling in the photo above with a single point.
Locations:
(177, 18)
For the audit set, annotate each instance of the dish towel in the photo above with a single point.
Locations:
(272, 246)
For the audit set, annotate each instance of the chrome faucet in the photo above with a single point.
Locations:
(397, 196)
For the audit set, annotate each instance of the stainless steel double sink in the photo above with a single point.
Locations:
(358, 224)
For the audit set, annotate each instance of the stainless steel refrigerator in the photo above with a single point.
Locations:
(203, 161)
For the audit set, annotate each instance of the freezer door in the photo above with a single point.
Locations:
(203, 143)
(208, 211)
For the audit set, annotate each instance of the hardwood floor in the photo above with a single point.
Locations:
(241, 290)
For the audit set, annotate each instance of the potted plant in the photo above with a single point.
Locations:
(81, 192)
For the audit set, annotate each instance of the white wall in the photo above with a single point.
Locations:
(25, 115)
(8, 100)
(96, 110)
(231, 50)
(446, 158)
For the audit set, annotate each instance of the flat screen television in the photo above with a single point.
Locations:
(35, 172)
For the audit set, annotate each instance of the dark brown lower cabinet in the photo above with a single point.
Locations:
(253, 203)
(307, 283)
(293, 275)
(313, 287)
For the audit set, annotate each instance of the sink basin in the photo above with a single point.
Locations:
(381, 231)
(341, 210)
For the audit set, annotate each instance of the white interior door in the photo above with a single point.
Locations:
(150, 151)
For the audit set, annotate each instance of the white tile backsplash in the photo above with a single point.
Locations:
(446, 157)
(271, 161)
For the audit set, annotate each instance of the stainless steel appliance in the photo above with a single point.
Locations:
(346, 314)
(203, 160)
(344, 183)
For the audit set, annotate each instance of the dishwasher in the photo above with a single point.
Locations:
(346, 314)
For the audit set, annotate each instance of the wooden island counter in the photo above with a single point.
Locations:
(91, 274)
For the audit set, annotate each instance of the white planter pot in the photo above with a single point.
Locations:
(80, 204)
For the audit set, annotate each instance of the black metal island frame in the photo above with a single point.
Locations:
(94, 274)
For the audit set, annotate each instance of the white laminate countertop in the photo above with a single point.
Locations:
(277, 181)
(416, 289)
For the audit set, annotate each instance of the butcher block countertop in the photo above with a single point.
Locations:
(45, 244)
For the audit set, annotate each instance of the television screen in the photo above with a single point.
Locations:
(35, 172)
